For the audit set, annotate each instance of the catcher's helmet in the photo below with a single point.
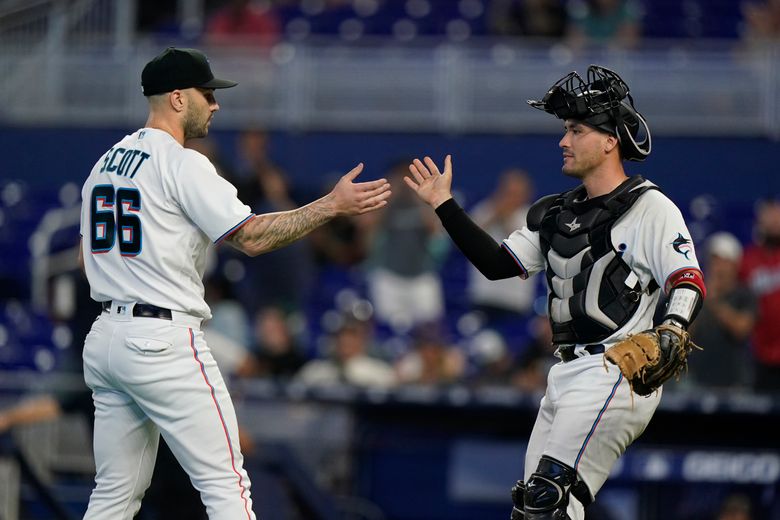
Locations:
(603, 101)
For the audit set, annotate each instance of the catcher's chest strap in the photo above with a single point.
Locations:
(571, 352)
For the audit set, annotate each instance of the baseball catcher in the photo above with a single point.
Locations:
(647, 359)
(608, 247)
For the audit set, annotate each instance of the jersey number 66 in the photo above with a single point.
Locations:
(114, 212)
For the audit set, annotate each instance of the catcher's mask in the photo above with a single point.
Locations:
(603, 101)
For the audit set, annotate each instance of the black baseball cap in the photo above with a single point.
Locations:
(176, 68)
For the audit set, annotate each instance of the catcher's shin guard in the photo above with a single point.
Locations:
(518, 490)
(547, 492)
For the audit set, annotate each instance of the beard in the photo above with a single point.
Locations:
(572, 171)
(195, 124)
(579, 166)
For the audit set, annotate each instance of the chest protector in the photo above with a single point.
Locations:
(592, 290)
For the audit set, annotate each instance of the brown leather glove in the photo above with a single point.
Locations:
(649, 358)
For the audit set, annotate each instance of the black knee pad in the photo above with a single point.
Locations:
(546, 495)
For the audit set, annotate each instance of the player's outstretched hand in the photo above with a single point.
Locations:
(355, 198)
(428, 183)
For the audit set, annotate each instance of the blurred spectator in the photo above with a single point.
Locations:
(46, 407)
(262, 183)
(761, 271)
(726, 320)
(762, 21)
(244, 22)
(604, 22)
(500, 215)
(275, 354)
(228, 316)
(431, 361)
(283, 277)
(528, 18)
(493, 362)
(407, 246)
(536, 358)
(228, 329)
(735, 507)
(342, 241)
(349, 361)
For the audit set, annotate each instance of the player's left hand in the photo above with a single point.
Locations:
(355, 198)
(650, 358)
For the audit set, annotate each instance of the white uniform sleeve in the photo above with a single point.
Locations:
(666, 242)
(207, 199)
(524, 246)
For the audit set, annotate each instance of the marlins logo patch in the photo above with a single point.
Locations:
(682, 245)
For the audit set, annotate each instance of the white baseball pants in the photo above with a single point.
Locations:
(586, 420)
(153, 376)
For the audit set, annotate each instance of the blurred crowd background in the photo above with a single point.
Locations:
(376, 374)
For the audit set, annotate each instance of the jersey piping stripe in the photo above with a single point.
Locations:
(596, 422)
(222, 420)
(524, 274)
(233, 229)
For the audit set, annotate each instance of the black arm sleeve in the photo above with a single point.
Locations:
(479, 247)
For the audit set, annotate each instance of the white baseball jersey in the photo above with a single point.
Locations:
(588, 415)
(150, 209)
(654, 242)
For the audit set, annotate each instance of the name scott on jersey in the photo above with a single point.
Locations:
(123, 161)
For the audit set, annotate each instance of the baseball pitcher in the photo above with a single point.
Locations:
(151, 208)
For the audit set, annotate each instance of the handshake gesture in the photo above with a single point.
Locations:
(431, 185)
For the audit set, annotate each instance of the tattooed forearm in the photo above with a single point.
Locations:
(271, 231)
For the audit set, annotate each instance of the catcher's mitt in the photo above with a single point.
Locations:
(649, 358)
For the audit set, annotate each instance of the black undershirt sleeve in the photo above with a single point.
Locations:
(487, 255)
